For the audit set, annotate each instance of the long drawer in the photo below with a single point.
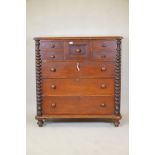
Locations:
(58, 87)
(77, 69)
(78, 105)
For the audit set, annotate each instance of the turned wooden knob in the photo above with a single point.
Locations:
(53, 70)
(53, 46)
(52, 56)
(53, 86)
(53, 105)
(103, 45)
(103, 56)
(103, 86)
(103, 105)
(78, 50)
(103, 69)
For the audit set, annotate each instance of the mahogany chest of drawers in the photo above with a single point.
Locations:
(78, 77)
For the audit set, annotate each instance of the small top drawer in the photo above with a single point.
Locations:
(51, 45)
(77, 49)
(104, 45)
(52, 55)
(104, 55)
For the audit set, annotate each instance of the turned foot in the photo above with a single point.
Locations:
(40, 123)
(116, 123)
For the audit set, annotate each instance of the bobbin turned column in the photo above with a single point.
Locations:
(117, 82)
(38, 81)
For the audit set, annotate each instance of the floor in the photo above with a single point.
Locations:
(77, 138)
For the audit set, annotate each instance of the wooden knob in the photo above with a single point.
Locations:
(103, 69)
(53, 105)
(53, 86)
(52, 56)
(53, 70)
(103, 105)
(53, 46)
(103, 45)
(103, 56)
(103, 86)
(78, 50)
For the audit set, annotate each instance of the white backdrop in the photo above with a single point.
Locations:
(75, 18)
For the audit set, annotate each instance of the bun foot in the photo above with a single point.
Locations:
(40, 123)
(116, 123)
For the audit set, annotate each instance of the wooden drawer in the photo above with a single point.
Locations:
(104, 55)
(52, 55)
(58, 87)
(51, 45)
(104, 45)
(70, 69)
(78, 105)
(77, 49)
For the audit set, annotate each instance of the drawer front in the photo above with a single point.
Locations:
(78, 105)
(56, 87)
(104, 55)
(104, 45)
(77, 69)
(52, 55)
(77, 49)
(51, 45)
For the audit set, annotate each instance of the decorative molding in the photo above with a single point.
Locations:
(38, 78)
(118, 78)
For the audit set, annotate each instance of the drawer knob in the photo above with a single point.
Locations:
(78, 50)
(53, 86)
(103, 56)
(103, 69)
(103, 105)
(103, 86)
(53, 70)
(53, 105)
(103, 45)
(52, 56)
(53, 46)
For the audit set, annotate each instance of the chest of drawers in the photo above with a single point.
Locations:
(78, 77)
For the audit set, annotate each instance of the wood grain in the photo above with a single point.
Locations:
(80, 38)
(78, 77)
(81, 105)
(77, 87)
(88, 69)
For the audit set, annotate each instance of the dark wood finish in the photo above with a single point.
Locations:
(38, 79)
(118, 79)
(78, 77)
(81, 105)
(111, 117)
(77, 49)
(40, 123)
(51, 45)
(69, 69)
(52, 87)
(104, 55)
(104, 45)
(80, 38)
(52, 55)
